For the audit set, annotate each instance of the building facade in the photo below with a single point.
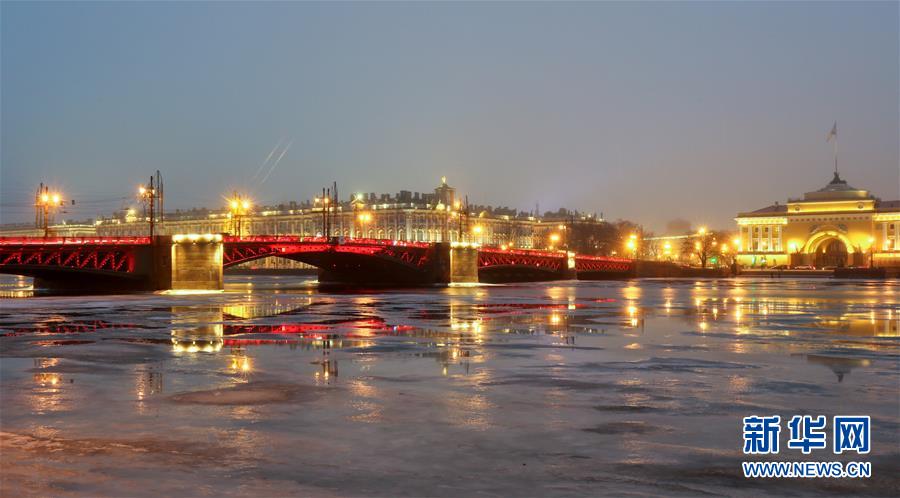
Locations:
(835, 226)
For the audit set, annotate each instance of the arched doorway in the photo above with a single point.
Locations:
(831, 253)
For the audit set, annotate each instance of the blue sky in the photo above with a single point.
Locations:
(646, 111)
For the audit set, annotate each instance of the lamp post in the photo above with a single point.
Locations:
(554, 239)
(564, 236)
(457, 212)
(45, 202)
(476, 232)
(871, 252)
(632, 245)
(363, 219)
(238, 207)
(151, 196)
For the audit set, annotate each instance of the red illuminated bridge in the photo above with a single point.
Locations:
(196, 261)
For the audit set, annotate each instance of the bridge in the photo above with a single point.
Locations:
(197, 261)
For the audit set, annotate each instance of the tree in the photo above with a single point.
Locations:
(704, 244)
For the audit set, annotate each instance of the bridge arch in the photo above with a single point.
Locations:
(347, 261)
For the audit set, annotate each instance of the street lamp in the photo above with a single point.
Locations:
(476, 232)
(871, 252)
(554, 238)
(151, 195)
(632, 245)
(45, 203)
(363, 219)
(239, 206)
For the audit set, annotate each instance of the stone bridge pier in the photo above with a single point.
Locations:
(188, 262)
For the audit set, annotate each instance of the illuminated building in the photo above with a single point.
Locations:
(837, 225)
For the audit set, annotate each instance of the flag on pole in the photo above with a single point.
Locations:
(832, 134)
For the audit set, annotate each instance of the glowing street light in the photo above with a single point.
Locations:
(363, 219)
(239, 206)
(667, 249)
(632, 245)
(45, 203)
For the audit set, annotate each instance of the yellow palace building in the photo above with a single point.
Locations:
(837, 225)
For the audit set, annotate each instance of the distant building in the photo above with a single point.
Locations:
(837, 225)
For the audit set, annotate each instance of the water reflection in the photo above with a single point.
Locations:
(577, 376)
(840, 366)
(197, 329)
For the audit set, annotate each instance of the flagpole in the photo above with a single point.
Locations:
(835, 154)
(832, 136)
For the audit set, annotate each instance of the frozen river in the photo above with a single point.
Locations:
(568, 388)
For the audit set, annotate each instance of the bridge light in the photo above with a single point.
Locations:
(702, 231)
(55, 198)
(245, 204)
(45, 198)
(554, 237)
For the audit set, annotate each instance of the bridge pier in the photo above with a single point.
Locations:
(463, 264)
(188, 262)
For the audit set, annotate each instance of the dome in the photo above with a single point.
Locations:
(837, 189)
(836, 185)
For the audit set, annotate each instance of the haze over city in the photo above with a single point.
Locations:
(642, 111)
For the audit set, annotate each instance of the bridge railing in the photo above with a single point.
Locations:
(55, 241)
(603, 258)
(524, 252)
(289, 239)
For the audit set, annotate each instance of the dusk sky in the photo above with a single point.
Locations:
(644, 111)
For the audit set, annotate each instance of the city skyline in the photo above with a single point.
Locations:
(449, 248)
(515, 106)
